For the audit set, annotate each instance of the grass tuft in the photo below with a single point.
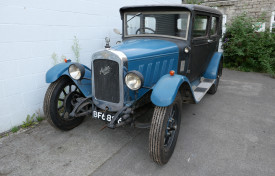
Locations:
(14, 129)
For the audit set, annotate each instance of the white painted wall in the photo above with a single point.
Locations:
(31, 30)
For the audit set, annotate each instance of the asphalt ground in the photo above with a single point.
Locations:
(229, 133)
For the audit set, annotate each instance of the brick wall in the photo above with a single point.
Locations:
(31, 30)
(254, 8)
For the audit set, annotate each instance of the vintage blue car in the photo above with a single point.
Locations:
(168, 56)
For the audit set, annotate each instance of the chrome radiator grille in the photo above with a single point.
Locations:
(106, 80)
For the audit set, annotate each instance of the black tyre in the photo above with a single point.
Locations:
(164, 131)
(215, 86)
(58, 103)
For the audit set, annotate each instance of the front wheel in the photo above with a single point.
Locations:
(164, 131)
(58, 103)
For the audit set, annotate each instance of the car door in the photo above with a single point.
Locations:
(214, 35)
(199, 46)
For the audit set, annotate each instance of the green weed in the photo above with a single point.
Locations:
(76, 48)
(14, 129)
(193, 2)
(39, 119)
(54, 58)
(29, 121)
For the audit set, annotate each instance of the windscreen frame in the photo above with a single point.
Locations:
(156, 12)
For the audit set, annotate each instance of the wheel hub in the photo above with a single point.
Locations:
(69, 101)
(171, 128)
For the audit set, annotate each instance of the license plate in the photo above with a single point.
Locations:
(105, 117)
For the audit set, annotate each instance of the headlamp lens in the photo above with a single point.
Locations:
(74, 72)
(133, 81)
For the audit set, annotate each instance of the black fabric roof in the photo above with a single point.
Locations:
(178, 7)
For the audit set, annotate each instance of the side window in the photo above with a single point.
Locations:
(182, 23)
(200, 26)
(150, 22)
(214, 25)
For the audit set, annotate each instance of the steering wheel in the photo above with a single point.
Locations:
(145, 28)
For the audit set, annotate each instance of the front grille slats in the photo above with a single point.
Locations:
(106, 80)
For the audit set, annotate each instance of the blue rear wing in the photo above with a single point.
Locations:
(212, 69)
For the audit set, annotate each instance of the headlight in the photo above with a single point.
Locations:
(134, 80)
(76, 71)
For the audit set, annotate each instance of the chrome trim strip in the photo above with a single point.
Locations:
(122, 60)
(121, 55)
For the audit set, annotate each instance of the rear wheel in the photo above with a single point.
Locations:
(164, 131)
(215, 86)
(58, 103)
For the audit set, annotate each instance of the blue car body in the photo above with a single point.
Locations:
(154, 58)
(151, 57)
(62, 70)
(168, 56)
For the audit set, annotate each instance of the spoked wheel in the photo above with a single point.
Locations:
(215, 86)
(172, 125)
(59, 101)
(164, 131)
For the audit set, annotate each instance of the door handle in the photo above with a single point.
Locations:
(209, 41)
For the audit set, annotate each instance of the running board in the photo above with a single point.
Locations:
(203, 88)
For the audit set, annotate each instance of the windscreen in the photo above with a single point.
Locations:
(171, 24)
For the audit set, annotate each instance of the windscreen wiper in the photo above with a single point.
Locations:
(138, 14)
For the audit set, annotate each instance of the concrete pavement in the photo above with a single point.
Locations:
(229, 133)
